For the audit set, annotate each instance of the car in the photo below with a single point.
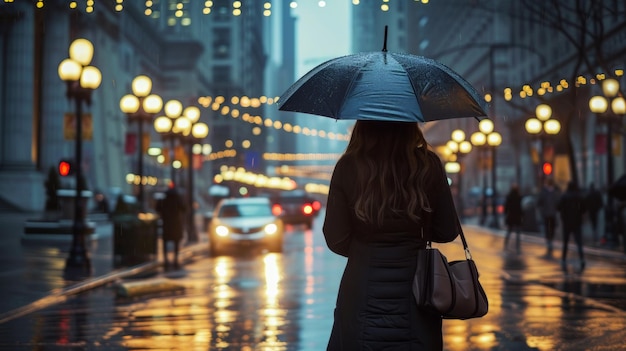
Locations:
(296, 207)
(244, 222)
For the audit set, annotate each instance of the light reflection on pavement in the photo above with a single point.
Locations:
(268, 301)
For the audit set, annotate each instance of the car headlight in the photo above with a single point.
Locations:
(221, 230)
(270, 229)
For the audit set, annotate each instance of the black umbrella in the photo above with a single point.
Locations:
(383, 86)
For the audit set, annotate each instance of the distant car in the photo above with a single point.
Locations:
(244, 222)
(296, 207)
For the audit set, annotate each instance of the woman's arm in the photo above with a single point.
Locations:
(444, 221)
(337, 230)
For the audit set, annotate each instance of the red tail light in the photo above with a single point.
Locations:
(317, 205)
(277, 210)
(307, 209)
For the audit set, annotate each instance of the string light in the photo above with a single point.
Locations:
(216, 104)
(208, 6)
(267, 6)
(237, 5)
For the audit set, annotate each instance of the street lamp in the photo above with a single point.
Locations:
(140, 107)
(459, 147)
(599, 105)
(540, 126)
(183, 125)
(164, 125)
(487, 139)
(81, 80)
(193, 133)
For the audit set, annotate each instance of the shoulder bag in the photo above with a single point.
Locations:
(450, 289)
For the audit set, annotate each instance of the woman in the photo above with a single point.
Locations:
(385, 188)
(513, 217)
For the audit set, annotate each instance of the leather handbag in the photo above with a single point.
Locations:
(451, 289)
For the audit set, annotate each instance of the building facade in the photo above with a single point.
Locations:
(189, 51)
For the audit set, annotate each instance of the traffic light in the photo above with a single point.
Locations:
(66, 168)
(547, 168)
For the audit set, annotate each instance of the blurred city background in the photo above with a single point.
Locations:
(185, 92)
(232, 60)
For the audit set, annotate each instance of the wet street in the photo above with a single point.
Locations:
(261, 301)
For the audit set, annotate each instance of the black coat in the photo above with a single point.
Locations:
(375, 307)
(593, 201)
(572, 208)
(172, 211)
(513, 208)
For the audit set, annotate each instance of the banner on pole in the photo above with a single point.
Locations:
(130, 144)
(69, 126)
(600, 144)
(197, 161)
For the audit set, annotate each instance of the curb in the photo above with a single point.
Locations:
(186, 254)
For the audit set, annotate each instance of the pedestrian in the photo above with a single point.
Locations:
(572, 208)
(593, 204)
(388, 195)
(172, 210)
(548, 202)
(101, 203)
(513, 216)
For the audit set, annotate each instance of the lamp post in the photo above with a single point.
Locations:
(459, 148)
(193, 134)
(488, 139)
(164, 125)
(140, 107)
(183, 125)
(599, 105)
(81, 80)
(540, 126)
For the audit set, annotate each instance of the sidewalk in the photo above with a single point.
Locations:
(590, 247)
(31, 266)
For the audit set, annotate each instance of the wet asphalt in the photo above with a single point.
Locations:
(252, 300)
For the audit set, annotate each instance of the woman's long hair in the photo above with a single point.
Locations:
(392, 165)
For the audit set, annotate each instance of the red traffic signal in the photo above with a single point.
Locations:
(66, 168)
(547, 168)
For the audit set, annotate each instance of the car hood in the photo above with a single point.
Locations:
(246, 221)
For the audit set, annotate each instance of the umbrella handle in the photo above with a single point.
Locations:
(385, 42)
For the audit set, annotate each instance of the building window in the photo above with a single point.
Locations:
(221, 43)
(222, 11)
(221, 74)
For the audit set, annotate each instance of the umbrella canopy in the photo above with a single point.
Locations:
(383, 86)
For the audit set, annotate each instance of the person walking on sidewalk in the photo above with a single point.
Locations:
(593, 204)
(172, 210)
(513, 216)
(548, 202)
(572, 208)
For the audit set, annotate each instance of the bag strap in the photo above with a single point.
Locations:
(468, 254)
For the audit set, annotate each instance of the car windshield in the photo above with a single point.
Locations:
(245, 210)
(292, 197)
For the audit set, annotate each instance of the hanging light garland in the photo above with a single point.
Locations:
(237, 6)
(524, 92)
(217, 104)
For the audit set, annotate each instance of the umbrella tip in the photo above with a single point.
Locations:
(385, 41)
